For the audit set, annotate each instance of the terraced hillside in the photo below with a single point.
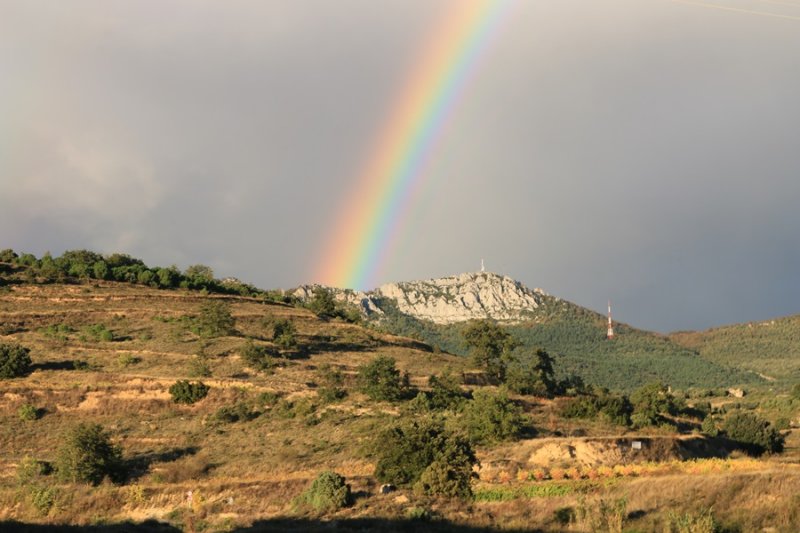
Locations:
(107, 352)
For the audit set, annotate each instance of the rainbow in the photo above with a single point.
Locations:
(366, 232)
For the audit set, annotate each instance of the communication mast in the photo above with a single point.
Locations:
(610, 334)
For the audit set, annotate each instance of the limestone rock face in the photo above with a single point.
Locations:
(464, 297)
(477, 295)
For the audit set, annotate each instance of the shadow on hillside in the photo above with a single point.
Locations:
(297, 525)
(67, 364)
(125, 527)
(138, 465)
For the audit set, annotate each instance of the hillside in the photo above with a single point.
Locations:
(436, 310)
(771, 347)
(239, 459)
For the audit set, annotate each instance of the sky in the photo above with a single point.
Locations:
(646, 151)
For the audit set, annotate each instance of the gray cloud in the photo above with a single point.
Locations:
(638, 150)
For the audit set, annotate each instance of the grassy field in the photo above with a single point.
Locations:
(108, 352)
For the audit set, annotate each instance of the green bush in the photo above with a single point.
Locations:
(30, 470)
(650, 403)
(531, 373)
(87, 455)
(187, 392)
(702, 522)
(381, 380)
(43, 499)
(238, 412)
(600, 403)
(327, 493)
(284, 334)
(260, 357)
(322, 303)
(15, 360)
(492, 417)
(29, 412)
(422, 454)
(331, 383)
(754, 433)
(489, 346)
(709, 427)
(215, 319)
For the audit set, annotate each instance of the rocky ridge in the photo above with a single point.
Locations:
(476, 295)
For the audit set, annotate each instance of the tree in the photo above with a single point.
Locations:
(380, 380)
(423, 454)
(532, 374)
(650, 402)
(215, 319)
(87, 455)
(15, 360)
(8, 256)
(445, 392)
(327, 493)
(492, 417)
(322, 303)
(199, 273)
(489, 345)
(756, 434)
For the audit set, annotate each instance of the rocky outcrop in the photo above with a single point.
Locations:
(477, 295)
(464, 297)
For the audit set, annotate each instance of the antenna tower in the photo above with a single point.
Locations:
(610, 334)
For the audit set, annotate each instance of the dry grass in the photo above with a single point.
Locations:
(247, 471)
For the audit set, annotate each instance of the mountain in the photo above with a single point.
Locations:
(436, 310)
(771, 347)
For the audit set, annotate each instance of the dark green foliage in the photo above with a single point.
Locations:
(756, 434)
(327, 493)
(709, 427)
(614, 408)
(446, 392)
(198, 274)
(238, 412)
(381, 380)
(259, 356)
(650, 403)
(331, 383)
(531, 373)
(492, 417)
(284, 334)
(215, 319)
(87, 455)
(8, 256)
(187, 392)
(489, 347)
(322, 303)
(15, 360)
(421, 453)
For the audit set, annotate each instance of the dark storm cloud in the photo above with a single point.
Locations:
(640, 150)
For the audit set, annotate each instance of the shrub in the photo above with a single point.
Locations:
(238, 412)
(489, 345)
(187, 392)
(709, 427)
(43, 499)
(29, 412)
(702, 522)
(198, 367)
(600, 403)
(650, 403)
(424, 455)
(327, 493)
(30, 469)
(532, 374)
(492, 417)
(756, 434)
(445, 392)
(331, 383)
(127, 359)
(260, 357)
(322, 303)
(381, 380)
(215, 319)
(87, 455)
(284, 334)
(15, 360)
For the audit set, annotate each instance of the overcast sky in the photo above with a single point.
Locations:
(646, 151)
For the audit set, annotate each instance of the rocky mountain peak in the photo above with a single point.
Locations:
(468, 296)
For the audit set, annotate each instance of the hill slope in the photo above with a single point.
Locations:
(771, 348)
(436, 310)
